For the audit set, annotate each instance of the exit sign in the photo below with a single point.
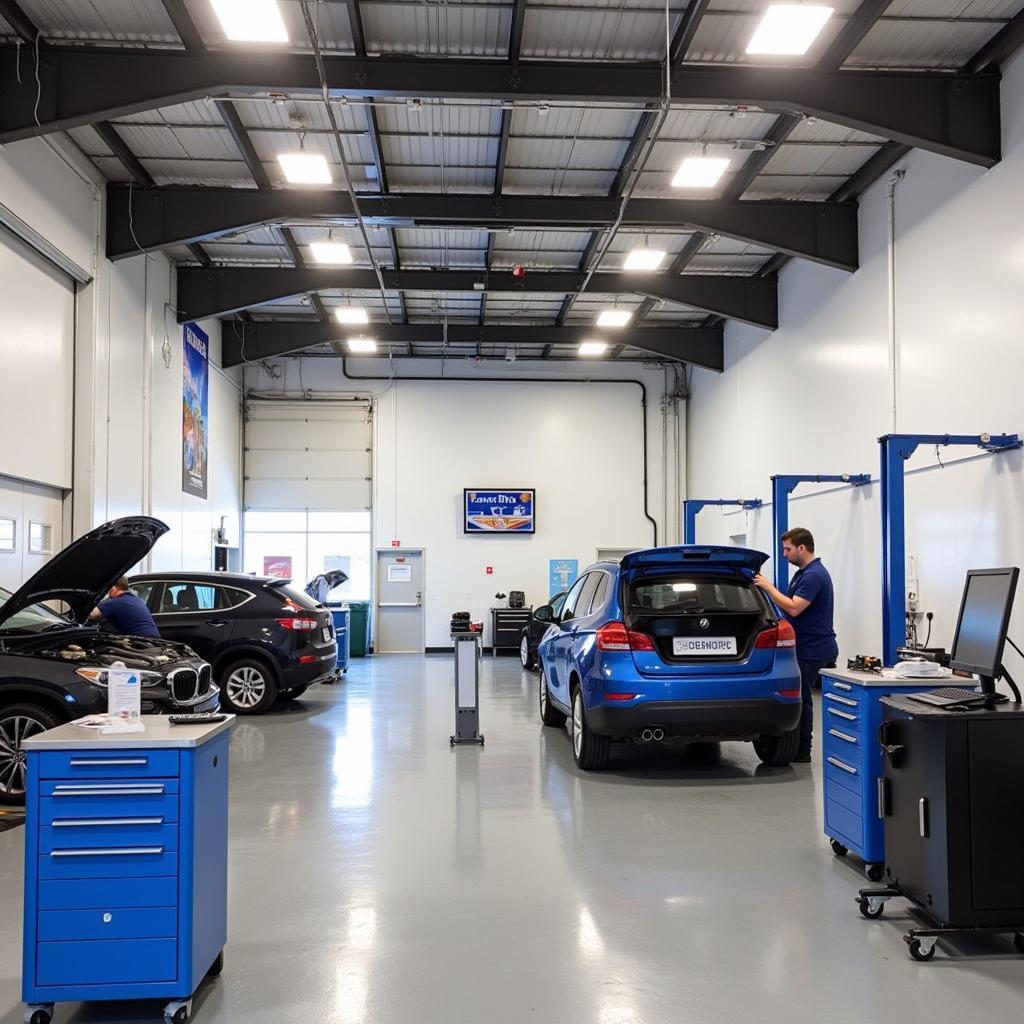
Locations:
(396, 543)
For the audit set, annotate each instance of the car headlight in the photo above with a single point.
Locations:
(99, 676)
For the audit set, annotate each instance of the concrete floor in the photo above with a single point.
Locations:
(379, 878)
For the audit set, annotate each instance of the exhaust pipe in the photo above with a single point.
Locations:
(647, 735)
(658, 735)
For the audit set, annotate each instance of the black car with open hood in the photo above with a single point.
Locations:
(53, 664)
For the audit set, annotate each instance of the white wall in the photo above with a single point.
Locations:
(578, 444)
(814, 396)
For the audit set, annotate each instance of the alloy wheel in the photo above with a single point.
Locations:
(246, 686)
(543, 694)
(577, 722)
(13, 732)
(524, 652)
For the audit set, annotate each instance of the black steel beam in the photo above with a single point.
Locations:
(223, 290)
(633, 150)
(176, 215)
(686, 29)
(108, 133)
(243, 142)
(355, 21)
(953, 115)
(252, 340)
(499, 170)
(515, 32)
(1002, 45)
(852, 33)
(186, 28)
(16, 17)
(869, 172)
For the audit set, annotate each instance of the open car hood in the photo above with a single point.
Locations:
(84, 571)
(694, 557)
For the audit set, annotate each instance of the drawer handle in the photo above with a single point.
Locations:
(842, 736)
(91, 822)
(836, 685)
(842, 766)
(127, 851)
(841, 700)
(112, 791)
(842, 714)
(110, 762)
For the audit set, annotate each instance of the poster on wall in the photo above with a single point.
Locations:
(562, 573)
(278, 566)
(499, 511)
(195, 417)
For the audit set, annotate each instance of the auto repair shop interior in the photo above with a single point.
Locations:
(510, 510)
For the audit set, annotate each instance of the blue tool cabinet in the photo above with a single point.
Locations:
(342, 625)
(125, 865)
(852, 760)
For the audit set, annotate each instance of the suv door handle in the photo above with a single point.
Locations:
(217, 622)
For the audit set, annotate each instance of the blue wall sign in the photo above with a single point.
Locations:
(509, 510)
(562, 574)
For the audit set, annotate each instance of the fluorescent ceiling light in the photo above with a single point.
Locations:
(362, 345)
(787, 30)
(644, 259)
(700, 172)
(305, 168)
(614, 317)
(593, 348)
(351, 315)
(332, 252)
(251, 21)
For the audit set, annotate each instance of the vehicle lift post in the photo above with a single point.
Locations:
(896, 450)
(467, 689)
(782, 488)
(693, 505)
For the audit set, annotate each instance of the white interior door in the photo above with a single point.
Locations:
(31, 529)
(399, 602)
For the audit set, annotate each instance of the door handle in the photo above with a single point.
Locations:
(217, 622)
(922, 816)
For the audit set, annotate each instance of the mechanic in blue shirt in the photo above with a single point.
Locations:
(125, 612)
(809, 607)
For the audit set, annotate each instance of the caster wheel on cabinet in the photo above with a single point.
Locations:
(217, 967)
(38, 1015)
(870, 910)
(874, 872)
(178, 1012)
(837, 848)
(919, 951)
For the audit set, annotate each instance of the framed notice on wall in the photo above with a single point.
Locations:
(195, 412)
(500, 510)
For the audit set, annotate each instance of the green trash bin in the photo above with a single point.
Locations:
(358, 628)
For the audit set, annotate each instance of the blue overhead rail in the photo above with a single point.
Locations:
(693, 505)
(896, 449)
(782, 488)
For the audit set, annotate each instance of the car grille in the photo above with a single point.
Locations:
(187, 684)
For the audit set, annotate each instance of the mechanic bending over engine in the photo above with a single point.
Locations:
(125, 612)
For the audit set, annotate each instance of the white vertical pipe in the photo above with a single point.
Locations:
(894, 181)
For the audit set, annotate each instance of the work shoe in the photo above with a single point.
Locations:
(802, 758)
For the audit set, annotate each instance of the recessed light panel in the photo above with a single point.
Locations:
(787, 30)
(362, 345)
(305, 168)
(251, 21)
(614, 317)
(593, 348)
(337, 253)
(351, 315)
(644, 259)
(700, 172)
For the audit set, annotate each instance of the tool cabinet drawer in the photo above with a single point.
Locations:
(846, 774)
(847, 702)
(841, 819)
(114, 923)
(113, 764)
(76, 805)
(843, 718)
(107, 893)
(95, 835)
(133, 861)
(844, 744)
(112, 962)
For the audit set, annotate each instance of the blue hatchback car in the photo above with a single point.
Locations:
(671, 641)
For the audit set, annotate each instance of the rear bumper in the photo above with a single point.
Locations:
(295, 674)
(698, 719)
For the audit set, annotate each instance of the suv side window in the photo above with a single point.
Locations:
(143, 589)
(230, 597)
(569, 608)
(600, 594)
(188, 597)
(587, 594)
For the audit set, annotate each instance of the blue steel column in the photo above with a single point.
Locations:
(690, 510)
(895, 451)
(781, 488)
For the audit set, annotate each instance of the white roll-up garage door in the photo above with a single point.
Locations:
(308, 455)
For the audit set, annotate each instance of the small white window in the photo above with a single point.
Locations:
(8, 533)
(40, 538)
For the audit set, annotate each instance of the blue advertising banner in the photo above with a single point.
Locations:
(562, 574)
(499, 511)
(195, 415)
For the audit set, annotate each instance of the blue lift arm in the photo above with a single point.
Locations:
(896, 449)
(782, 488)
(693, 505)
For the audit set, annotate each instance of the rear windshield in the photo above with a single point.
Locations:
(682, 595)
(296, 596)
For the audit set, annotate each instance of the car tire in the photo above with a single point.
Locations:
(589, 751)
(295, 693)
(248, 687)
(526, 657)
(17, 722)
(778, 751)
(549, 714)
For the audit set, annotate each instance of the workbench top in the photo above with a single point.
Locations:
(846, 675)
(159, 734)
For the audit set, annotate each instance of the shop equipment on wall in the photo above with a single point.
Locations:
(692, 506)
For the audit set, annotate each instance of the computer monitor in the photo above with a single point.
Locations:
(983, 622)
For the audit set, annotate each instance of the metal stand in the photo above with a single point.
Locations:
(467, 689)
(921, 941)
(782, 488)
(693, 505)
(896, 449)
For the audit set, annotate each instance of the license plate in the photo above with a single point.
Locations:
(703, 646)
(327, 632)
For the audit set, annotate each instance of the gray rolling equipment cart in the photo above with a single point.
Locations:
(467, 689)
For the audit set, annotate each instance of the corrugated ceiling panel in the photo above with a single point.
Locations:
(437, 29)
(712, 264)
(954, 8)
(690, 124)
(667, 156)
(566, 182)
(539, 259)
(675, 313)
(195, 172)
(227, 252)
(815, 130)
(111, 168)
(440, 118)
(104, 21)
(769, 186)
(351, 117)
(579, 154)
(430, 179)
(921, 44)
(593, 35)
(155, 141)
(722, 246)
(438, 238)
(567, 121)
(89, 142)
(434, 151)
(834, 160)
(537, 241)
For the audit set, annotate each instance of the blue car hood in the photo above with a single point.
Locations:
(694, 556)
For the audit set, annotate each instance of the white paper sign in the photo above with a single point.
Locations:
(124, 694)
(399, 574)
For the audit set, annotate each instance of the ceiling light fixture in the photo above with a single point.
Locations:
(700, 172)
(643, 259)
(251, 21)
(593, 348)
(788, 30)
(351, 315)
(362, 345)
(614, 317)
(305, 168)
(337, 253)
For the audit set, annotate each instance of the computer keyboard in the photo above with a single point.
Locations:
(947, 695)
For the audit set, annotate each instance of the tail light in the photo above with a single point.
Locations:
(297, 624)
(613, 636)
(782, 635)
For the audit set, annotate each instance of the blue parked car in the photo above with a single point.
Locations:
(671, 642)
